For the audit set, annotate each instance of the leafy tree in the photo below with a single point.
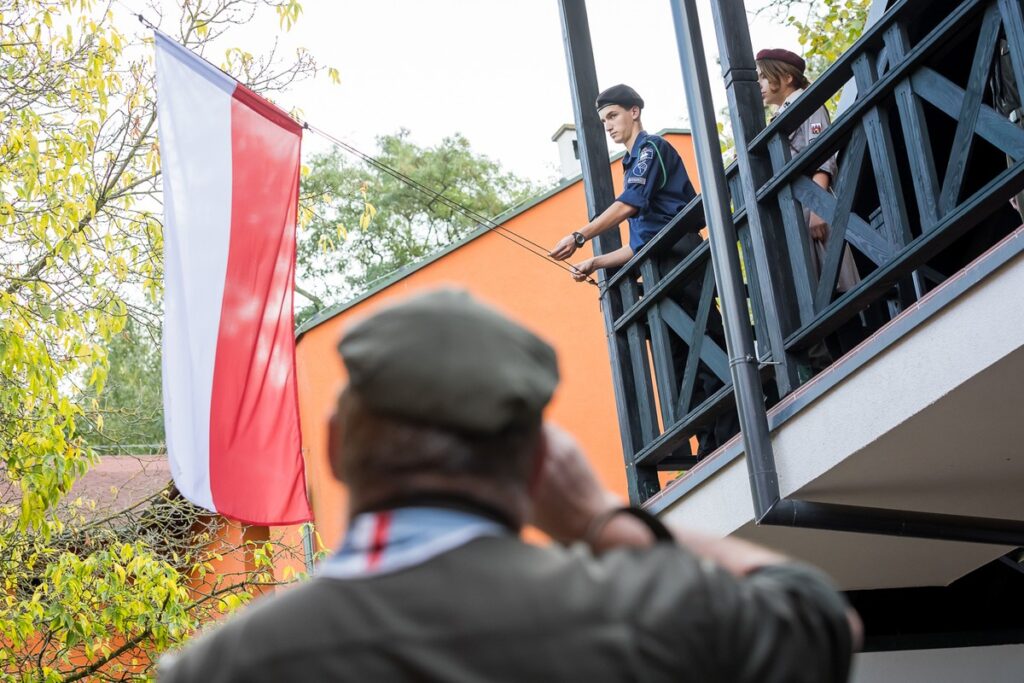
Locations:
(127, 417)
(79, 207)
(828, 29)
(364, 223)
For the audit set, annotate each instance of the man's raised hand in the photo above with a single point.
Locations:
(566, 494)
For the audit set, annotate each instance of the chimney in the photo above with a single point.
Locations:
(568, 150)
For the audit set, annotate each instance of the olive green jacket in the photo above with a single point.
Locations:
(497, 609)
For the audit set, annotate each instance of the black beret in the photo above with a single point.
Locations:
(784, 56)
(445, 359)
(620, 94)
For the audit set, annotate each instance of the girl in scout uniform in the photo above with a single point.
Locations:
(782, 79)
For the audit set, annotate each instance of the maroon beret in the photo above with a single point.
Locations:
(785, 56)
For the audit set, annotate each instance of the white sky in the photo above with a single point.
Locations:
(492, 70)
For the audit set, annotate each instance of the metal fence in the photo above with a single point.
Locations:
(927, 167)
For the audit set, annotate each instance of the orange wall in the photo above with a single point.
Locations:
(535, 293)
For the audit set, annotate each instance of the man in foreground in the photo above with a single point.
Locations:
(439, 437)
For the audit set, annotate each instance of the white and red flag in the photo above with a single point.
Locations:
(231, 184)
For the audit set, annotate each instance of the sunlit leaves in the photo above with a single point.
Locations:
(56, 273)
(369, 211)
(826, 29)
(288, 13)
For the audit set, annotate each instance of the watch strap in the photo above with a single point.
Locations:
(657, 528)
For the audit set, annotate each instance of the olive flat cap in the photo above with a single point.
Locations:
(784, 56)
(444, 358)
(620, 94)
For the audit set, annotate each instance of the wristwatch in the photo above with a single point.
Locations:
(580, 239)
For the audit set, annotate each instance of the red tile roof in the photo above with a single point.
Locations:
(118, 482)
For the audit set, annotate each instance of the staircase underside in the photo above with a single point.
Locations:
(927, 415)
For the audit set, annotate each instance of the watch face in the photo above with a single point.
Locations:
(580, 239)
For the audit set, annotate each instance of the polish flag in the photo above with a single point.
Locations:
(230, 164)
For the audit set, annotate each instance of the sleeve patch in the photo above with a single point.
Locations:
(646, 154)
(636, 181)
(815, 128)
(640, 168)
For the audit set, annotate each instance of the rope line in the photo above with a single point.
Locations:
(498, 228)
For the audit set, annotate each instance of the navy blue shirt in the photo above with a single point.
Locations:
(656, 184)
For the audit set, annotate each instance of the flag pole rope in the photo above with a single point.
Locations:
(490, 225)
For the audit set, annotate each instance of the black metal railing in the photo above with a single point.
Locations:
(889, 205)
(666, 321)
(926, 170)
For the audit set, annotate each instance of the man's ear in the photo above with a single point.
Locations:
(634, 112)
(540, 456)
(334, 455)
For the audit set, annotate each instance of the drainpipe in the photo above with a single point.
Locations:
(739, 338)
(807, 514)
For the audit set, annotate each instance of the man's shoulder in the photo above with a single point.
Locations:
(549, 567)
(269, 628)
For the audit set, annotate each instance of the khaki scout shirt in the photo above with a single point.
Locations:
(497, 609)
(814, 126)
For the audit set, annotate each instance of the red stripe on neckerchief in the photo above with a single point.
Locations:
(380, 539)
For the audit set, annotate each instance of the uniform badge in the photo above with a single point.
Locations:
(815, 128)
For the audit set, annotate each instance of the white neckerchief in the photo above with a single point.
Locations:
(389, 540)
